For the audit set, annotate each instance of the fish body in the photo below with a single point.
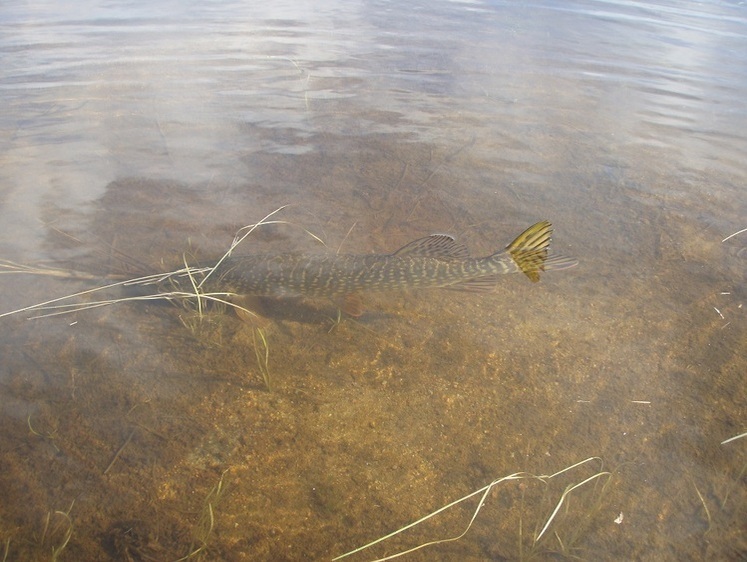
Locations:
(436, 261)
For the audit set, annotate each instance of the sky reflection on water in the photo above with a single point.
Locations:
(158, 130)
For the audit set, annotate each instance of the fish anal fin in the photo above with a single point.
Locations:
(485, 284)
(250, 309)
(558, 261)
(351, 304)
(439, 246)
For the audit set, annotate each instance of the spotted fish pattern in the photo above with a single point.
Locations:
(436, 261)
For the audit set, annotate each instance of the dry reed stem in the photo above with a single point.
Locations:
(733, 235)
(730, 439)
(57, 306)
(484, 491)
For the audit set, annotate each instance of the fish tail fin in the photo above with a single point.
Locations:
(530, 251)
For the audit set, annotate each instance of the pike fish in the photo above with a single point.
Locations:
(436, 261)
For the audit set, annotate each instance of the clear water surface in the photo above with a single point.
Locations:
(135, 136)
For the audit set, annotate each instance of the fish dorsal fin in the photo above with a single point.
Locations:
(440, 246)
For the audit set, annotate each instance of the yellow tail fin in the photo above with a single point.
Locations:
(530, 251)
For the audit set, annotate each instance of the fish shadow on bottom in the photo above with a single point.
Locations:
(299, 309)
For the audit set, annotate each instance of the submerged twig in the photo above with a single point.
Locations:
(119, 451)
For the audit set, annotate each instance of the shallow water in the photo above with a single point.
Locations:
(140, 432)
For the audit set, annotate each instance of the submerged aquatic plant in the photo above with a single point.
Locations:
(51, 531)
(263, 355)
(206, 523)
